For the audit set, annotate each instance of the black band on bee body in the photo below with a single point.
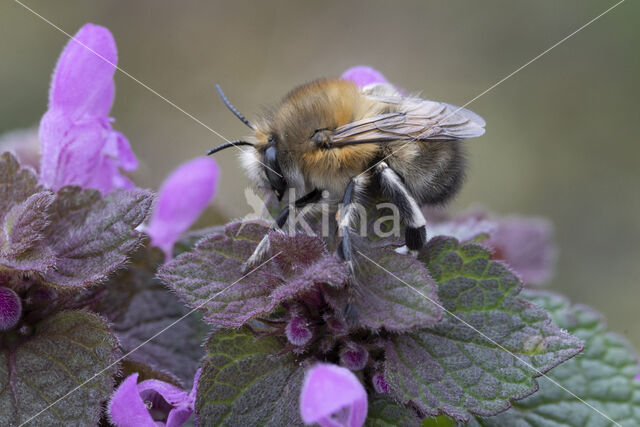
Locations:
(415, 238)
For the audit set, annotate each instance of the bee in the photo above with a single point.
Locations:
(332, 141)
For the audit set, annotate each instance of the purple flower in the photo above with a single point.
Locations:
(182, 198)
(526, 245)
(10, 308)
(332, 396)
(79, 146)
(363, 75)
(151, 403)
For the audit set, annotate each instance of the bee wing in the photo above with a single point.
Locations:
(415, 120)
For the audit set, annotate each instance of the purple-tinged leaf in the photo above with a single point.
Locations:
(485, 356)
(332, 396)
(384, 301)
(243, 384)
(23, 231)
(181, 199)
(139, 306)
(16, 183)
(10, 309)
(602, 375)
(211, 276)
(363, 75)
(64, 351)
(91, 236)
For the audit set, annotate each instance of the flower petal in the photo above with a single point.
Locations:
(181, 200)
(180, 401)
(329, 389)
(126, 407)
(82, 82)
(363, 75)
(71, 151)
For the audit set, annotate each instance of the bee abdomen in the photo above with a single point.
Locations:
(435, 173)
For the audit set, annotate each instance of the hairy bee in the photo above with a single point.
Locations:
(331, 137)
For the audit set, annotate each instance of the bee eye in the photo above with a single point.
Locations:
(271, 139)
(274, 173)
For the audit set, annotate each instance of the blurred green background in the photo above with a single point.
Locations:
(562, 135)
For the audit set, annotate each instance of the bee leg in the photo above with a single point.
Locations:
(261, 251)
(394, 189)
(348, 215)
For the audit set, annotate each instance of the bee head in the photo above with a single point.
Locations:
(261, 160)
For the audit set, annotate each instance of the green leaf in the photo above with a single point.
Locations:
(458, 370)
(383, 412)
(243, 384)
(64, 351)
(602, 375)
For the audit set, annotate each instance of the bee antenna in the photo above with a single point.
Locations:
(227, 145)
(233, 109)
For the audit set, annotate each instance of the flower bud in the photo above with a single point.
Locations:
(354, 356)
(10, 309)
(380, 384)
(298, 330)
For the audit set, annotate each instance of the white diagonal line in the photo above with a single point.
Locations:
(492, 341)
(502, 80)
(145, 342)
(173, 104)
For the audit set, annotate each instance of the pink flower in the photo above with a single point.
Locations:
(332, 396)
(151, 403)
(363, 75)
(79, 146)
(182, 198)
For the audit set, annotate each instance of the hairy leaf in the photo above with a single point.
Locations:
(91, 236)
(16, 183)
(243, 384)
(139, 307)
(384, 412)
(23, 230)
(393, 291)
(488, 347)
(211, 276)
(65, 351)
(602, 375)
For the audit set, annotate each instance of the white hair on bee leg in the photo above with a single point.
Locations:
(259, 255)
